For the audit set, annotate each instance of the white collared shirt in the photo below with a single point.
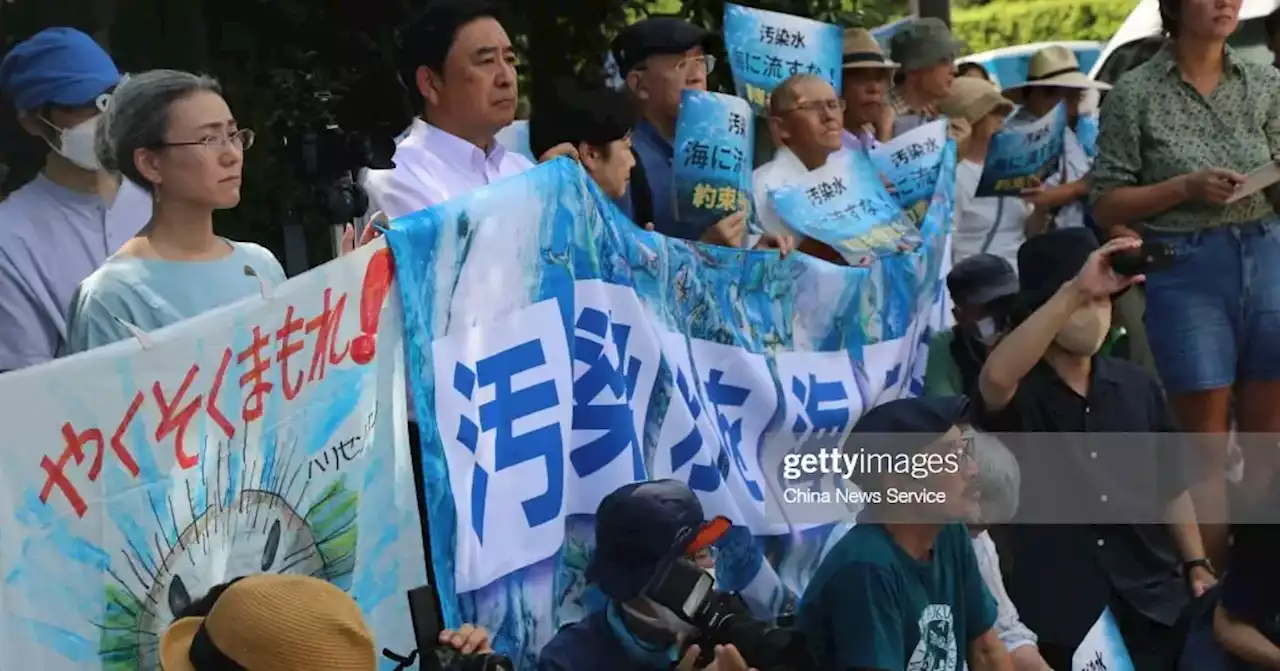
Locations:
(784, 169)
(433, 166)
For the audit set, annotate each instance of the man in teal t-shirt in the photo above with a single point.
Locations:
(901, 591)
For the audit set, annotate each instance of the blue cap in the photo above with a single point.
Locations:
(640, 526)
(59, 66)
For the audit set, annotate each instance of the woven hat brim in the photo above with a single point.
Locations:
(1066, 80)
(175, 644)
(868, 65)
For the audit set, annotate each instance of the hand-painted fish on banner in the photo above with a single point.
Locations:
(264, 437)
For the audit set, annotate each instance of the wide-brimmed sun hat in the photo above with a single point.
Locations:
(862, 52)
(1054, 66)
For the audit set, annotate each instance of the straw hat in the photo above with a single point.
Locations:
(273, 623)
(862, 52)
(1055, 66)
(972, 98)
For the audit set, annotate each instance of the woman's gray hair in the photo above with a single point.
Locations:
(137, 117)
(999, 478)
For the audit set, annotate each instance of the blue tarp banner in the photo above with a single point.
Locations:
(1023, 155)
(765, 48)
(556, 351)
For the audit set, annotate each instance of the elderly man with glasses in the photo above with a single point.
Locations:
(806, 122)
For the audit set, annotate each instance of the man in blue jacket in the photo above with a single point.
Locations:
(639, 527)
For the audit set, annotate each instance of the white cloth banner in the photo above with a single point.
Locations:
(264, 437)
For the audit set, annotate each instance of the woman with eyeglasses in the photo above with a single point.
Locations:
(172, 134)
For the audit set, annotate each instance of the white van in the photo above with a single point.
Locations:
(1141, 34)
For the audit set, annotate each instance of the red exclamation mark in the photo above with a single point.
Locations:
(377, 281)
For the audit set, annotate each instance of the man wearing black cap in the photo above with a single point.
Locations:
(1107, 522)
(902, 590)
(640, 528)
(659, 58)
(982, 288)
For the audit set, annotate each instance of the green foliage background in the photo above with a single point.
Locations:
(270, 53)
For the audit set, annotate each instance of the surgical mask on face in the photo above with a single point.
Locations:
(1085, 333)
(664, 619)
(76, 144)
(987, 331)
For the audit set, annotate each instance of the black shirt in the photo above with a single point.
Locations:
(1251, 588)
(1075, 541)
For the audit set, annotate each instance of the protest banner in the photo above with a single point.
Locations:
(713, 157)
(1023, 155)
(263, 437)
(1103, 648)
(1087, 132)
(910, 162)
(845, 204)
(564, 352)
(765, 48)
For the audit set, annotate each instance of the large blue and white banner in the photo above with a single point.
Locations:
(1023, 155)
(263, 437)
(561, 351)
(713, 157)
(765, 48)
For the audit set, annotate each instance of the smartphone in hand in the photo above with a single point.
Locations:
(1152, 257)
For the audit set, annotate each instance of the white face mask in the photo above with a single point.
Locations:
(76, 144)
(665, 620)
(987, 332)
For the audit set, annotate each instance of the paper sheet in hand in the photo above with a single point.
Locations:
(1258, 180)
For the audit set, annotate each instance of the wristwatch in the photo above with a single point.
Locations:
(1203, 563)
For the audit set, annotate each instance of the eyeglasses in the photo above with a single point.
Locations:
(705, 62)
(833, 105)
(241, 139)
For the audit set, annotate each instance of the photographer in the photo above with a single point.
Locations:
(902, 589)
(639, 528)
(277, 622)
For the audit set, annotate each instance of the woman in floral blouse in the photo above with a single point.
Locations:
(1178, 136)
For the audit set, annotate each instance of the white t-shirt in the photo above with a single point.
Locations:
(975, 218)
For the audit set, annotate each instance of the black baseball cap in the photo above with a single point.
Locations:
(656, 35)
(641, 526)
(905, 426)
(981, 279)
(1050, 260)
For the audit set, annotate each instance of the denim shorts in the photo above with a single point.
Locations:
(1214, 317)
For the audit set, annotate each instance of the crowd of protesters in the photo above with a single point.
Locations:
(115, 238)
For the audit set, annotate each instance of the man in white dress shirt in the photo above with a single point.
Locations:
(806, 120)
(458, 59)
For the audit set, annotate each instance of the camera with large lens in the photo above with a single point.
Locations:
(723, 618)
(431, 655)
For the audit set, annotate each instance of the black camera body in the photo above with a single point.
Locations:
(431, 654)
(723, 618)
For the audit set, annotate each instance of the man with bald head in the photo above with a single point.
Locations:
(806, 120)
